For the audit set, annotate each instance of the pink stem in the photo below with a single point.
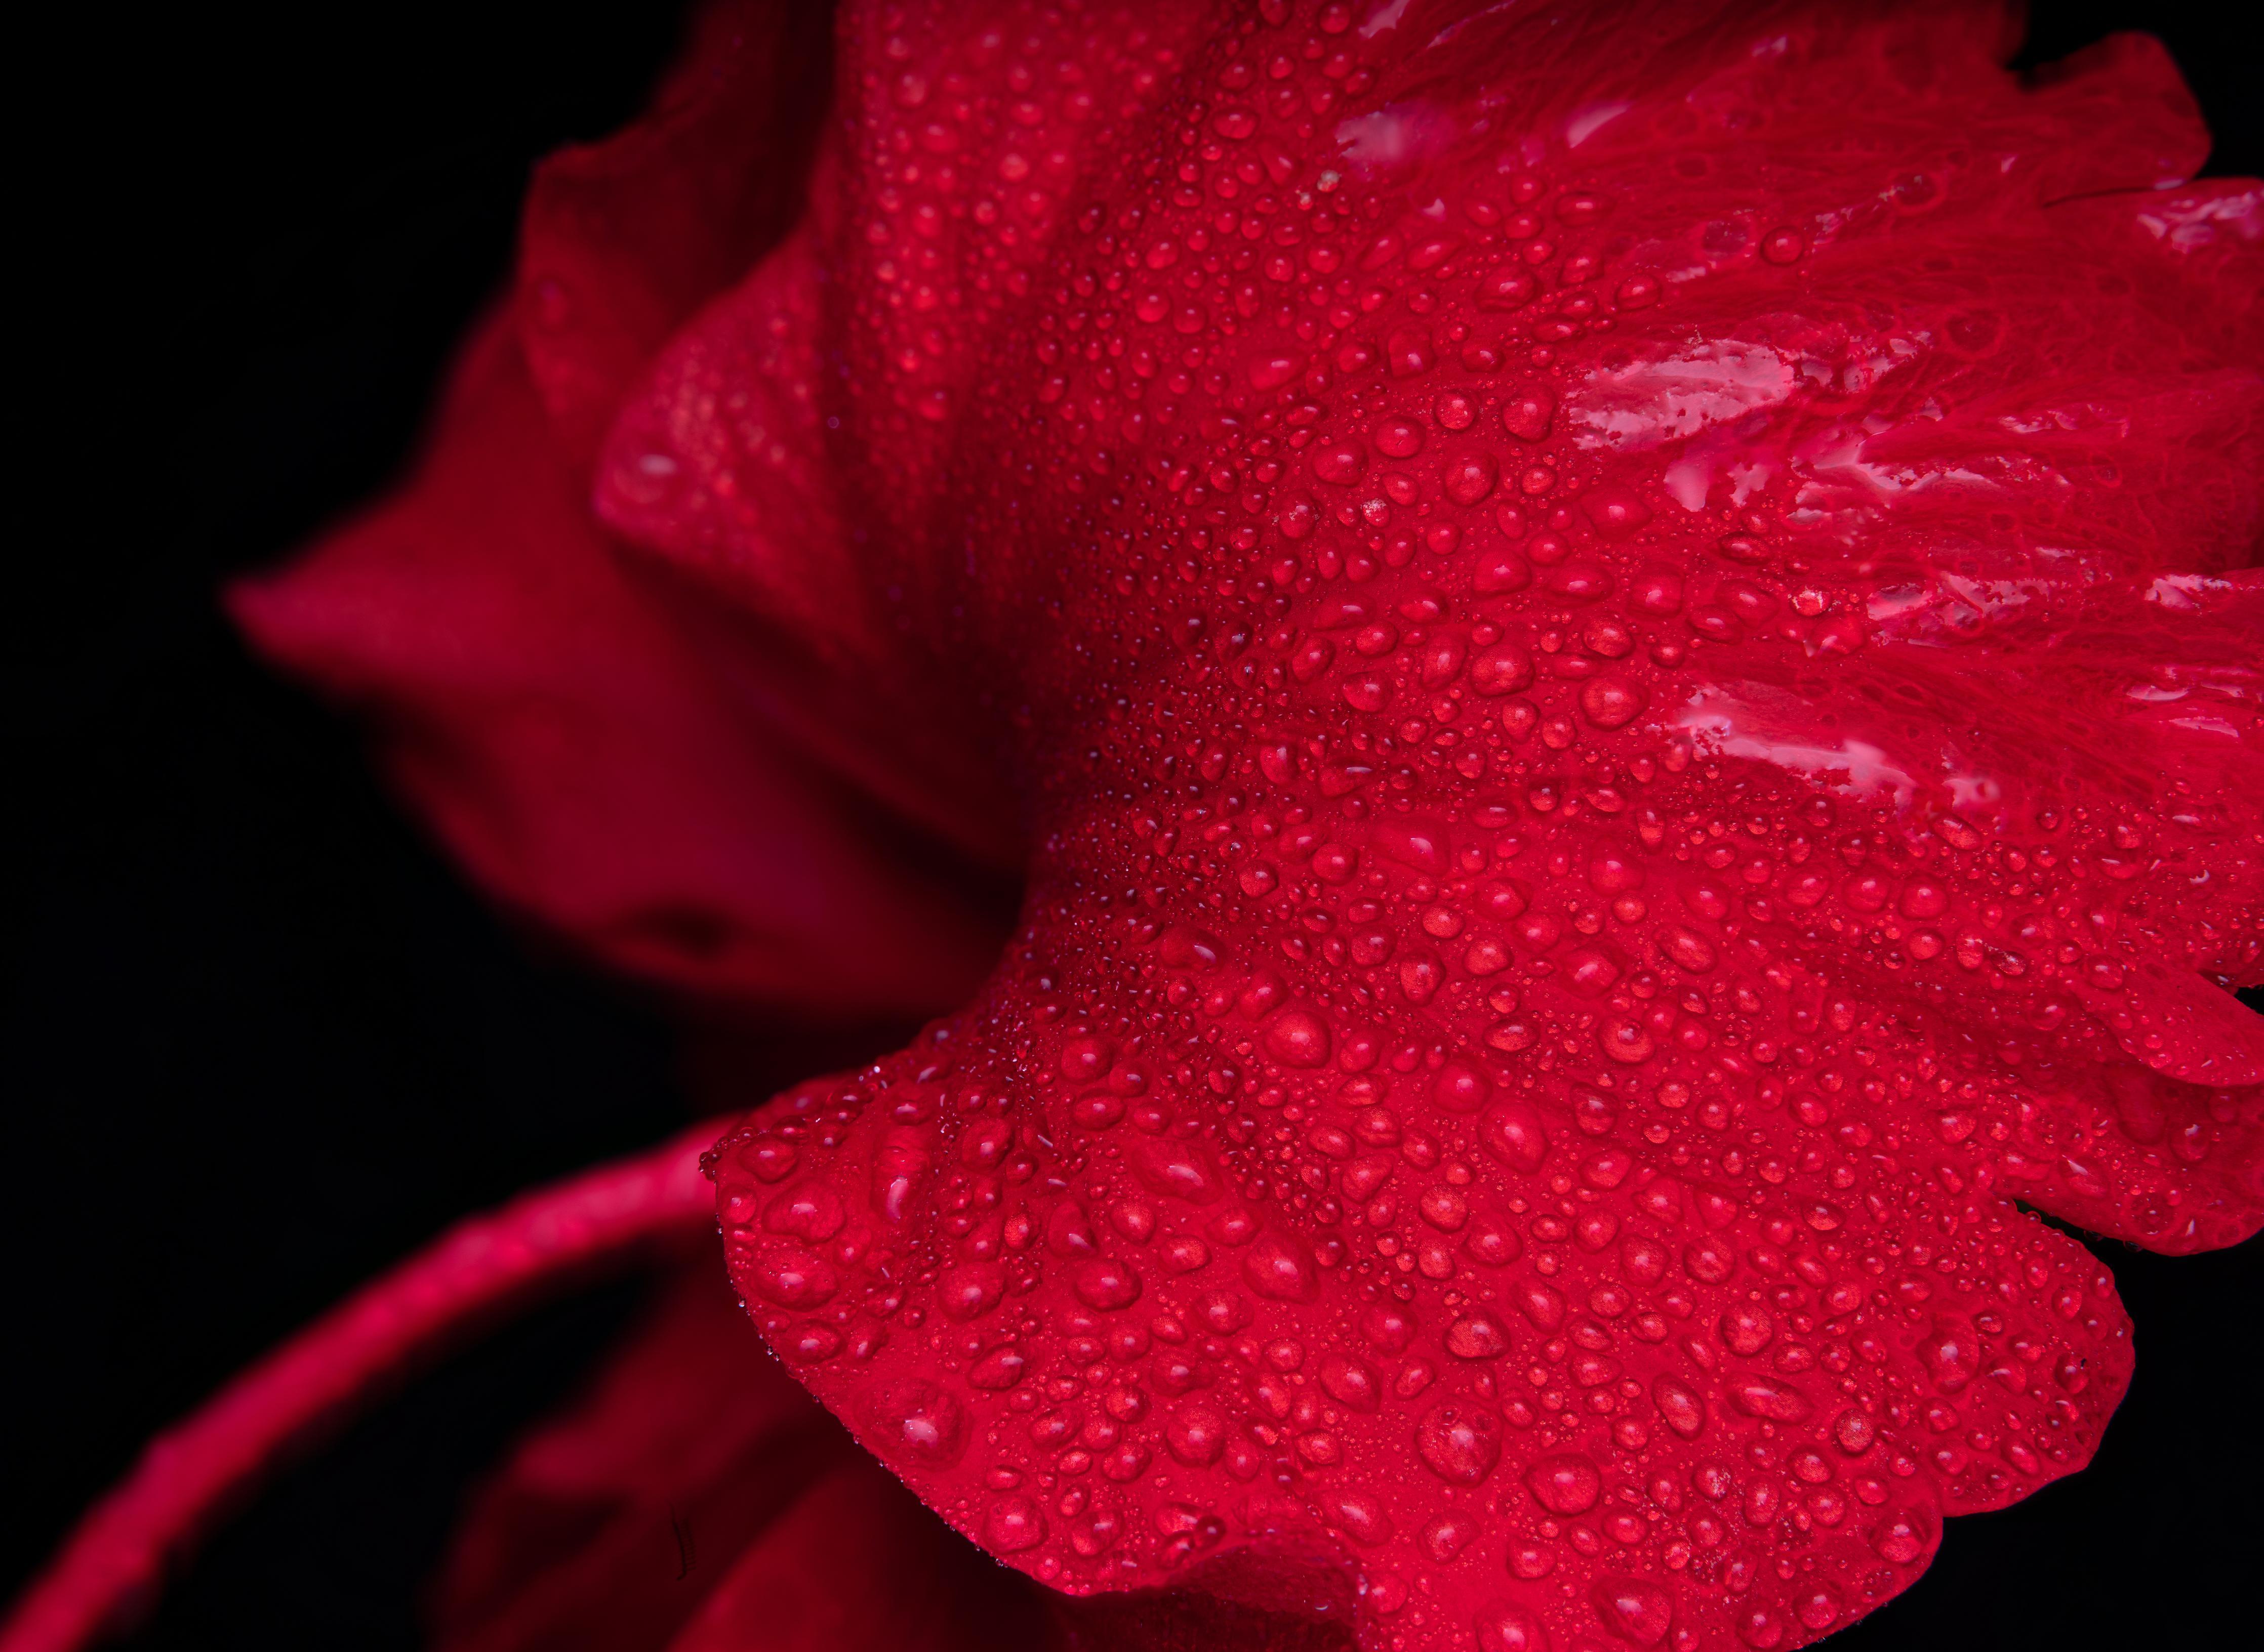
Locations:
(113, 1563)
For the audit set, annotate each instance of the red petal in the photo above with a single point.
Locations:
(622, 239)
(1633, 639)
(109, 1569)
(1516, 1143)
(611, 1520)
(858, 1566)
(685, 799)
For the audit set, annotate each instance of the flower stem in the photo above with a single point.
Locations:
(113, 1566)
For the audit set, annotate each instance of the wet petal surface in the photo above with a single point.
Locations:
(1627, 644)
(1631, 642)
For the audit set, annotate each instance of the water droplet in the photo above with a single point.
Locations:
(1196, 1435)
(971, 1290)
(1679, 1404)
(792, 1278)
(1511, 1132)
(1747, 1327)
(1633, 1608)
(807, 1210)
(1903, 1537)
(1769, 1398)
(1298, 1038)
(1280, 1268)
(1360, 1515)
(1783, 246)
(1565, 1483)
(1013, 1524)
(1503, 1627)
(1476, 1335)
(915, 1421)
(1459, 1443)
(1106, 1284)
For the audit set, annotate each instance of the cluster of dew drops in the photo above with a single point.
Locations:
(1432, 1097)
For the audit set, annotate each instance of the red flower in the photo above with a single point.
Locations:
(1620, 648)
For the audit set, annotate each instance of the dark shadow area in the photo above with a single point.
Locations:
(2215, 49)
(337, 1551)
(259, 1041)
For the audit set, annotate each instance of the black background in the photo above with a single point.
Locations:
(258, 1039)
